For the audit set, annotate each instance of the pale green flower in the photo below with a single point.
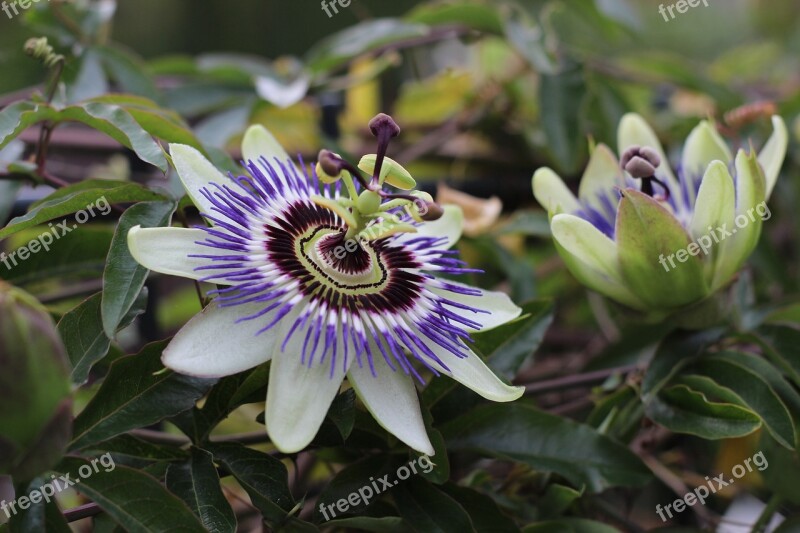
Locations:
(670, 239)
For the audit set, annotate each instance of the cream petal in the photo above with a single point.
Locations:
(195, 172)
(601, 177)
(298, 397)
(392, 399)
(774, 151)
(213, 344)
(552, 194)
(592, 258)
(167, 250)
(635, 131)
(750, 195)
(501, 308)
(714, 207)
(703, 146)
(259, 142)
(473, 373)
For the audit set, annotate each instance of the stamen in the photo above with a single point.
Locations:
(641, 163)
(385, 129)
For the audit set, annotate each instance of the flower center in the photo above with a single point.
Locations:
(350, 266)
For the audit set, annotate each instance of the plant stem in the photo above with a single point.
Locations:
(766, 515)
(578, 380)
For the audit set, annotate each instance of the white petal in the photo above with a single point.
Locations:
(392, 399)
(714, 207)
(635, 131)
(259, 142)
(501, 308)
(450, 225)
(773, 153)
(196, 172)
(473, 373)
(298, 397)
(600, 178)
(552, 194)
(704, 145)
(592, 257)
(167, 250)
(212, 344)
(282, 95)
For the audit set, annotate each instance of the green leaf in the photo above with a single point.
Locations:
(134, 396)
(333, 51)
(783, 469)
(228, 394)
(362, 478)
(384, 524)
(482, 509)
(164, 124)
(755, 392)
(79, 256)
(135, 500)
(557, 499)
(123, 278)
(546, 442)
(570, 525)
(16, 118)
(84, 338)
(476, 16)
(118, 124)
(128, 70)
(683, 410)
(524, 34)
(426, 508)
(675, 351)
(782, 345)
(342, 412)
(76, 198)
(196, 482)
(130, 446)
(559, 100)
(512, 345)
(265, 479)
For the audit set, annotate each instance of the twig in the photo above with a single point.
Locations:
(81, 512)
(578, 380)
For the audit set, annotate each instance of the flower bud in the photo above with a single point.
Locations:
(35, 400)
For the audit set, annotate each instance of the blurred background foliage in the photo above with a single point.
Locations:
(486, 92)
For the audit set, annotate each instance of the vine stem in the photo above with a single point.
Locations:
(766, 515)
(578, 380)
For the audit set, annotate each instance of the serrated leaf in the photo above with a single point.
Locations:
(340, 47)
(136, 393)
(83, 335)
(755, 392)
(123, 278)
(135, 500)
(546, 442)
(76, 198)
(683, 410)
(426, 508)
(196, 482)
(264, 478)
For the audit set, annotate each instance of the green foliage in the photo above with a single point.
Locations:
(618, 412)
